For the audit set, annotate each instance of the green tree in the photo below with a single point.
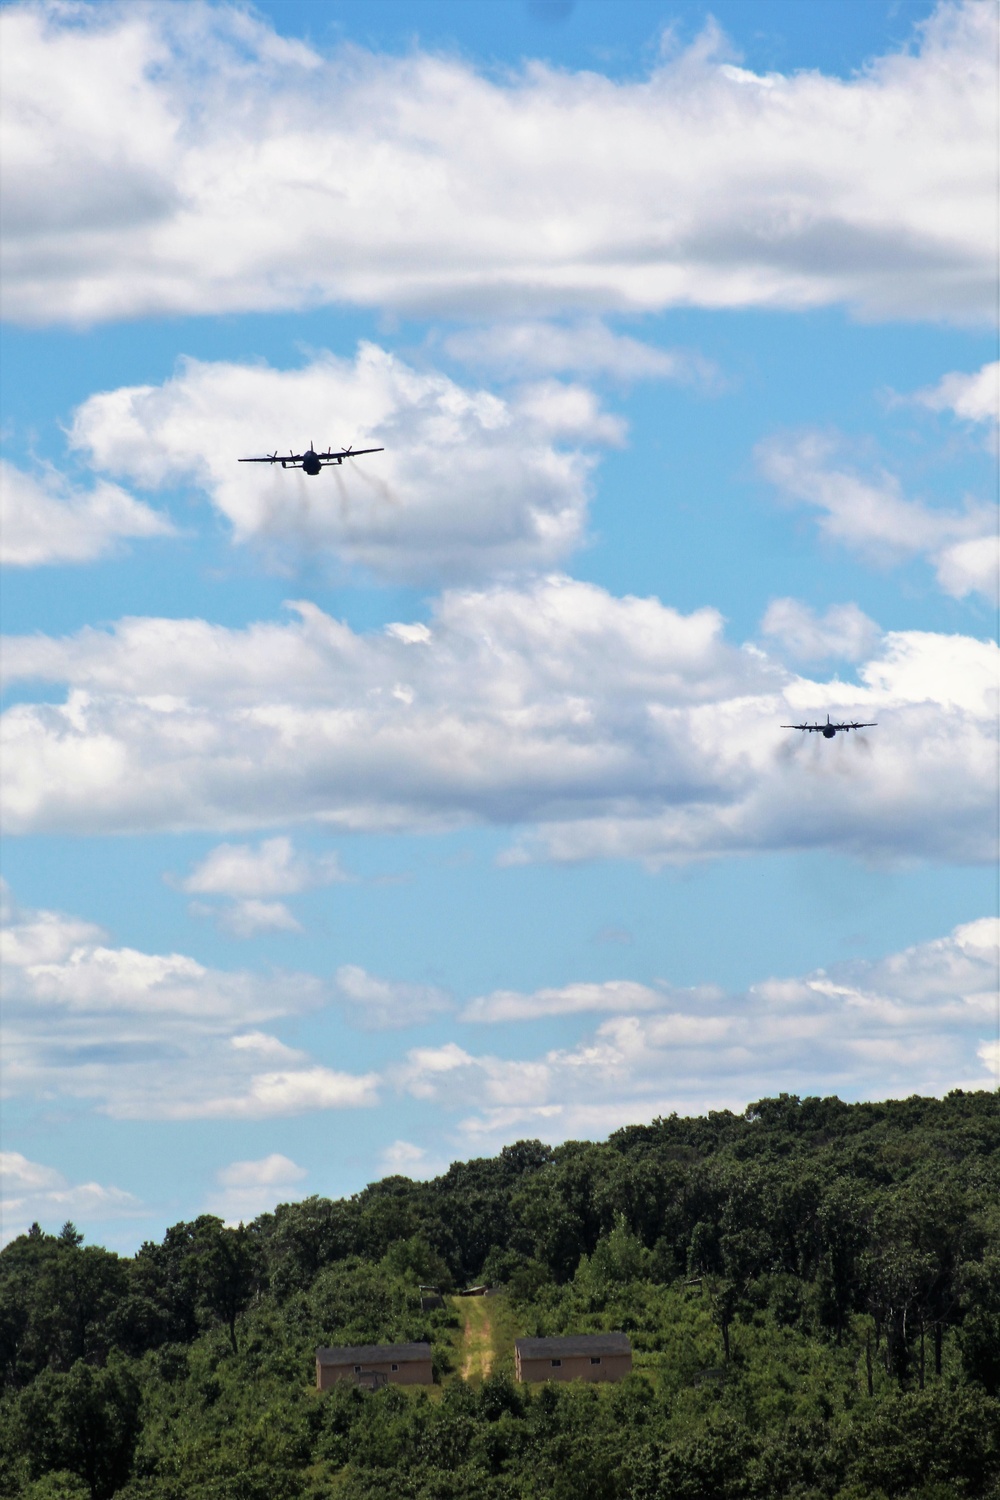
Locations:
(226, 1264)
(61, 1485)
(85, 1421)
(416, 1260)
(980, 1332)
(619, 1257)
(299, 1239)
(57, 1302)
(844, 1219)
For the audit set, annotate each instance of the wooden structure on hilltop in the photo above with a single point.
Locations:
(580, 1356)
(375, 1364)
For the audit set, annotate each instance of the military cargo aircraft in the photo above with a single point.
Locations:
(828, 730)
(311, 461)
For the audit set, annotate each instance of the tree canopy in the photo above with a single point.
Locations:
(811, 1289)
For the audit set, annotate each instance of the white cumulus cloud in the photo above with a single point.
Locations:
(246, 918)
(286, 1092)
(844, 631)
(917, 1021)
(380, 1004)
(186, 159)
(155, 1036)
(989, 1054)
(44, 521)
(34, 1193)
(973, 398)
(469, 483)
(248, 1188)
(271, 868)
(592, 725)
(585, 347)
(971, 567)
(251, 873)
(567, 1000)
(874, 518)
(403, 1158)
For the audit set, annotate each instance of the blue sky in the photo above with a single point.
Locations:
(359, 823)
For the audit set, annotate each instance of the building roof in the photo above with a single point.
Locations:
(576, 1343)
(361, 1354)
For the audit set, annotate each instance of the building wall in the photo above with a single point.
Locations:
(410, 1372)
(575, 1367)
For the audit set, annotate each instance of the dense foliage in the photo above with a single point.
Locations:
(812, 1291)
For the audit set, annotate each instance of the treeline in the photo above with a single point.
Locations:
(812, 1290)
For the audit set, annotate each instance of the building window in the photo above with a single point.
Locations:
(357, 1369)
(556, 1362)
(395, 1367)
(595, 1359)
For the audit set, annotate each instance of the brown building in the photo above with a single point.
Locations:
(397, 1364)
(581, 1356)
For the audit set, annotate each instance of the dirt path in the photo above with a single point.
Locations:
(478, 1338)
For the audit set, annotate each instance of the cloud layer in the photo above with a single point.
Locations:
(249, 874)
(844, 631)
(919, 1021)
(154, 1036)
(873, 517)
(141, 1036)
(273, 868)
(44, 521)
(601, 726)
(381, 1004)
(569, 1000)
(583, 347)
(33, 1192)
(185, 159)
(468, 483)
(972, 398)
(248, 1188)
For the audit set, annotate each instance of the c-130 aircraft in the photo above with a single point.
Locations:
(828, 730)
(311, 461)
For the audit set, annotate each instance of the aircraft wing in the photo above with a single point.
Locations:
(818, 728)
(349, 452)
(334, 456)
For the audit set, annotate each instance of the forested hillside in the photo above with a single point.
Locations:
(812, 1291)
